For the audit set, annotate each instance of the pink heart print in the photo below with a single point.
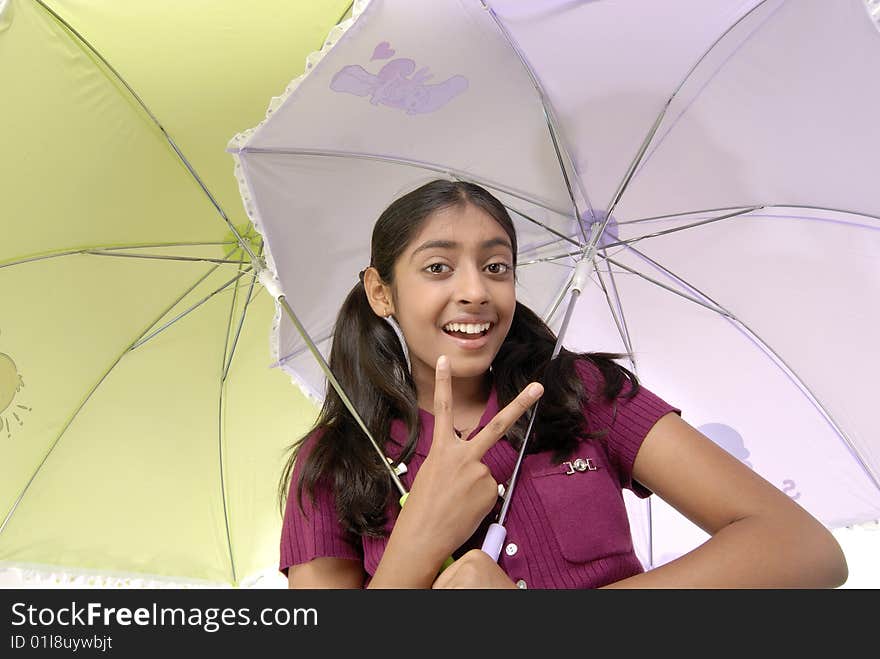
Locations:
(383, 51)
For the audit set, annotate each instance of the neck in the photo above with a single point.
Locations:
(469, 396)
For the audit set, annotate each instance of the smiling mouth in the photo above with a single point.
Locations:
(461, 334)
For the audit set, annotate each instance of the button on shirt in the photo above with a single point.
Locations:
(566, 527)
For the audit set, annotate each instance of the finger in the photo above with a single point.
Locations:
(442, 398)
(502, 421)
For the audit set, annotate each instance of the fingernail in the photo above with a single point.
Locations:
(535, 389)
(441, 361)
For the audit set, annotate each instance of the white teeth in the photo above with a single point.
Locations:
(469, 328)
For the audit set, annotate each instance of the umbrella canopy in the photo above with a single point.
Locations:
(141, 432)
(719, 157)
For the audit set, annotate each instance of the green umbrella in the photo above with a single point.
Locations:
(141, 428)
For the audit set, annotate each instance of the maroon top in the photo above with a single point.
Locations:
(564, 530)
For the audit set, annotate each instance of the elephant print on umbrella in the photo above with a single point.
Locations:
(394, 87)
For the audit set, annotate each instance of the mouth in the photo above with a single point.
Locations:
(470, 336)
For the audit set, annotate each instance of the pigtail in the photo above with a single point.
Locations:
(368, 361)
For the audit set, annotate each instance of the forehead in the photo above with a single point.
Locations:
(467, 224)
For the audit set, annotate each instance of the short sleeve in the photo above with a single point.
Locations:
(627, 420)
(313, 531)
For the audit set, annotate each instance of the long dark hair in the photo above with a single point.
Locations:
(368, 361)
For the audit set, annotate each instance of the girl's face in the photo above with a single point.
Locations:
(458, 269)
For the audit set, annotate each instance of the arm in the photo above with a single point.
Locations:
(326, 572)
(760, 537)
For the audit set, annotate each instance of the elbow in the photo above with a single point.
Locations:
(838, 570)
(829, 567)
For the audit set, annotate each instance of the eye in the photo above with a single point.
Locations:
(433, 268)
(500, 268)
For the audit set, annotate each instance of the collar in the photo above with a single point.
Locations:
(398, 433)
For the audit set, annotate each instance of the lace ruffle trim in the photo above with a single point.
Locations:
(244, 189)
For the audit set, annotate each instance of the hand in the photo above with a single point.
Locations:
(475, 569)
(453, 490)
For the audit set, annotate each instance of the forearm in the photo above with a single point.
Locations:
(407, 562)
(755, 552)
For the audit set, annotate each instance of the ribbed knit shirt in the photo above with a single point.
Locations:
(567, 527)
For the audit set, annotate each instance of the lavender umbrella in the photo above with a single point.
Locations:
(710, 164)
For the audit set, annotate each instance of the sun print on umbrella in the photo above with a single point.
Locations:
(11, 383)
(394, 87)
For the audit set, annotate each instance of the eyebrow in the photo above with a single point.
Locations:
(451, 244)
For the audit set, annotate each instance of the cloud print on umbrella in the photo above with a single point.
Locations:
(732, 442)
(394, 87)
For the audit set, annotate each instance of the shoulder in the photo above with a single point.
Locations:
(596, 377)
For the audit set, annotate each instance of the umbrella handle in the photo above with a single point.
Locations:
(494, 539)
(449, 561)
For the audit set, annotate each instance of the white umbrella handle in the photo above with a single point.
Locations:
(494, 540)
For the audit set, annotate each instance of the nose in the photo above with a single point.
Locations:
(472, 287)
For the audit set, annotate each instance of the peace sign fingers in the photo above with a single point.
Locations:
(502, 421)
(443, 424)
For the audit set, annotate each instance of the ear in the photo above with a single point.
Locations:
(378, 293)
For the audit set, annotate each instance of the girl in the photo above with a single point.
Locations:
(429, 345)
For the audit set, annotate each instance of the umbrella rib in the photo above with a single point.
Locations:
(550, 260)
(192, 308)
(88, 396)
(550, 120)
(69, 252)
(529, 218)
(155, 120)
(548, 315)
(428, 166)
(762, 206)
(739, 211)
(711, 220)
(534, 248)
(160, 257)
(300, 350)
(620, 321)
(698, 212)
(656, 125)
(689, 73)
(774, 357)
(719, 310)
(240, 323)
(225, 365)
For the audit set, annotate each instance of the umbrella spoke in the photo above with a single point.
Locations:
(711, 220)
(70, 252)
(738, 211)
(225, 364)
(548, 316)
(461, 175)
(674, 122)
(562, 154)
(300, 350)
(670, 215)
(192, 308)
(154, 119)
(637, 160)
(160, 257)
(695, 300)
(561, 236)
(247, 303)
(618, 315)
(534, 248)
(842, 211)
(88, 397)
(773, 355)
